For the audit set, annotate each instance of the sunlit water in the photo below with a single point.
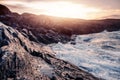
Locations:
(98, 54)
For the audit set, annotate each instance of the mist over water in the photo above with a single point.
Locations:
(98, 53)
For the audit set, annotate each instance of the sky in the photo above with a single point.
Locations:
(84, 9)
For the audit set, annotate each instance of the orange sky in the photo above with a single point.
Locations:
(84, 9)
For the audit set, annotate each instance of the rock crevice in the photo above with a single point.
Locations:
(22, 59)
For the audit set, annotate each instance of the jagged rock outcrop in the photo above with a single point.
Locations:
(48, 29)
(22, 59)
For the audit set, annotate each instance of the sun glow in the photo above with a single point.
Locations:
(57, 8)
(63, 8)
(66, 9)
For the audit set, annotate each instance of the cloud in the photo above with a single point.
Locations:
(16, 6)
(104, 4)
(107, 7)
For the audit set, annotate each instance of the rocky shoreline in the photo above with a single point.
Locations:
(22, 59)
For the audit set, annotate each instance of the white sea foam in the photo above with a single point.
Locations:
(97, 53)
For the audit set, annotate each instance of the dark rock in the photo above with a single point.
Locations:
(107, 47)
(4, 10)
(22, 59)
(79, 78)
(48, 29)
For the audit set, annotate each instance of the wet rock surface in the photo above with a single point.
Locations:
(22, 59)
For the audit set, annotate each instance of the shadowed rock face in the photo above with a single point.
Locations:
(4, 10)
(48, 29)
(22, 59)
